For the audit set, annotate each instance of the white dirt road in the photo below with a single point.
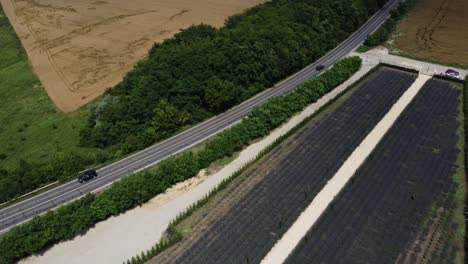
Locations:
(317, 207)
(119, 238)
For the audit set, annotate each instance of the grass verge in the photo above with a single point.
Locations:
(460, 179)
(32, 128)
(463, 178)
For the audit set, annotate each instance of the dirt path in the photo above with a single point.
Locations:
(81, 48)
(306, 220)
(119, 238)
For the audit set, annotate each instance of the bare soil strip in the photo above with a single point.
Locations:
(81, 48)
(306, 220)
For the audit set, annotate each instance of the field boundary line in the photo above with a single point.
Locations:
(288, 242)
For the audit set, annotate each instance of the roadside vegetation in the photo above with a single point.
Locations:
(204, 71)
(38, 144)
(76, 217)
(198, 73)
(385, 31)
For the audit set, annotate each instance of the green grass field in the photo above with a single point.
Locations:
(30, 126)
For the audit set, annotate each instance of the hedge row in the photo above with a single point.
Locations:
(76, 217)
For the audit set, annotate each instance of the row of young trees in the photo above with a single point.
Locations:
(76, 217)
(203, 71)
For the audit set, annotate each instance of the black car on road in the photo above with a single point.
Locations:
(320, 67)
(87, 175)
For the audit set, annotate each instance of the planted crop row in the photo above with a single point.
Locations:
(252, 226)
(380, 212)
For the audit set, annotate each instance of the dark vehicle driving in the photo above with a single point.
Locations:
(320, 67)
(87, 175)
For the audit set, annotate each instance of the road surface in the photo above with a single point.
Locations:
(25, 210)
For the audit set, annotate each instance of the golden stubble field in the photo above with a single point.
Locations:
(80, 48)
(436, 30)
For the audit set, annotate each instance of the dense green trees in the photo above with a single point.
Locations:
(203, 71)
(134, 190)
(199, 72)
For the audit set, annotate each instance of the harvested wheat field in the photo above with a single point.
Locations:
(81, 48)
(436, 30)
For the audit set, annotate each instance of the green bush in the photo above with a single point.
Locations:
(136, 189)
(25, 176)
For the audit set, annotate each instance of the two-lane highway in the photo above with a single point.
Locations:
(27, 209)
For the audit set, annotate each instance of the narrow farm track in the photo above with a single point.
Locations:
(252, 226)
(25, 210)
(379, 213)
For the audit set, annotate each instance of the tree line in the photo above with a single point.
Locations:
(203, 71)
(198, 73)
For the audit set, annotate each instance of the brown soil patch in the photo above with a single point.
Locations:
(80, 48)
(436, 30)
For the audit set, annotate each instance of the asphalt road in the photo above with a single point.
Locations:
(41, 203)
